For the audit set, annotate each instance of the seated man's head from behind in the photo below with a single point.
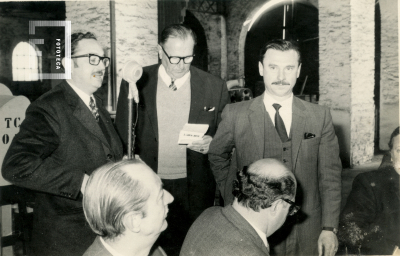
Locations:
(264, 193)
(126, 205)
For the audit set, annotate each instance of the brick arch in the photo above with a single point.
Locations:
(245, 24)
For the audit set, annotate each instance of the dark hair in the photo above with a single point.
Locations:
(177, 31)
(75, 38)
(259, 192)
(394, 134)
(280, 45)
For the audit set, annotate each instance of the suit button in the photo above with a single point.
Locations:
(284, 149)
(155, 159)
(284, 160)
(109, 157)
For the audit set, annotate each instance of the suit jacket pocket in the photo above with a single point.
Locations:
(309, 152)
(313, 141)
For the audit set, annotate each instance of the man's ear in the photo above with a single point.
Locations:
(63, 63)
(274, 207)
(133, 221)
(160, 51)
(260, 68)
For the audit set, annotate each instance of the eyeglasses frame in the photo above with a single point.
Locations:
(293, 209)
(180, 58)
(91, 54)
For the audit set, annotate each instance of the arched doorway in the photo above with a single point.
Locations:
(201, 49)
(296, 21)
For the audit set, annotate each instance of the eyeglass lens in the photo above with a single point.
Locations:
(95, 60)
(176, 60)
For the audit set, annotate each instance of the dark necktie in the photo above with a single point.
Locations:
(279, 124)
(94, 109)
(172, 86)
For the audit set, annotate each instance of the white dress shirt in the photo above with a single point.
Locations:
(84, 96)
(110, 249)
(285, 111)
(167, 79)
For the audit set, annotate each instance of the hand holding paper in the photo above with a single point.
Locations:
(193, 135)
(201, 145)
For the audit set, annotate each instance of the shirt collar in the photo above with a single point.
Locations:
(269, 100)
(167, 79)
(261, 234)
(109, 248)
(84, 96)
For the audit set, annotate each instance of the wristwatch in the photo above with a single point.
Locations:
(334, 230)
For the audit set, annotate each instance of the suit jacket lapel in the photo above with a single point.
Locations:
(82, 112)
(105, 117)
(198, 95)
(149, 93)
(256, 119)
(298, 126)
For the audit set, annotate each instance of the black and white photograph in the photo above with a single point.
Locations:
(199, 128)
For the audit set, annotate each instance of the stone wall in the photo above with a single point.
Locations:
(389, 84)
(212, 27)
(362, 80)
(334, 52)
(346, 49)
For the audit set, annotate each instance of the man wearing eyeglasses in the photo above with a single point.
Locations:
(263, 197)
(172, 94)
(65, 136)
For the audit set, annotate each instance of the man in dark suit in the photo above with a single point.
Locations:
(298, 133)
(264, 194)
(133, 208)
(171, 95)
(370, 221)
(66, 134)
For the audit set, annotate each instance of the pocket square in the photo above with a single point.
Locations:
(209, 109)
(308, 135)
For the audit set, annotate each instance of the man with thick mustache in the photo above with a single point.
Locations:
(66, 135)
(298, 133)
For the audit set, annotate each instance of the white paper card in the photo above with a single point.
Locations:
(192, 132)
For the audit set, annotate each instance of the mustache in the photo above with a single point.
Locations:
(281, 82)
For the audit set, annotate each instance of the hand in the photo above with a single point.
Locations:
(202, 145)
(327, 243)
(83, 186)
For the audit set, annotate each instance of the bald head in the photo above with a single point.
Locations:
(115, 190)
(262, 183)
(269, 167)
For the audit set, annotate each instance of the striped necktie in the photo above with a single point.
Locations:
(172, 86)
(94, 109)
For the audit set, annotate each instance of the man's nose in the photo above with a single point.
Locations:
(101, 65)
(181, 64)
(169, 197)
(281, 75)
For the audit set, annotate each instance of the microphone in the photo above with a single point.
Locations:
(131, 73)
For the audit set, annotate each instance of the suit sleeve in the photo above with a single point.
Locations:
(29, 162)
(224, 99)
(220, 150)
(358, 214)
(329, 173)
